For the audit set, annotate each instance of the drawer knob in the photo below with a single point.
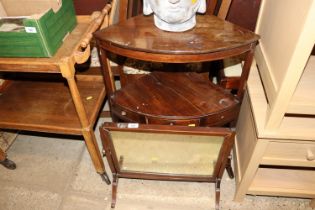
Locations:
(310, 155)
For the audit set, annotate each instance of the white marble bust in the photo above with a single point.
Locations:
(174, 15)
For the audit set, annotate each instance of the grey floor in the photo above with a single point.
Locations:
(56, 173)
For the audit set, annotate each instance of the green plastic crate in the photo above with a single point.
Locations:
(37, 35)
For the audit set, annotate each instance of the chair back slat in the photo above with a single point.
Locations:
(224, 9)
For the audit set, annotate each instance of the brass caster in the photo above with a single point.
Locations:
(9, 164)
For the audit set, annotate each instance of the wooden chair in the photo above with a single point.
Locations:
(170, 153)
(229, 70)
(218, 8)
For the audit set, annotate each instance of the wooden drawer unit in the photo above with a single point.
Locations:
(291, 153)
(275, 147)
(271, 166)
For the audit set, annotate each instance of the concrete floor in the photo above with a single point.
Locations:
(57, 174)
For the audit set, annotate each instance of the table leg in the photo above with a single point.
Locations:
(87, 129)
(228, 167)
(217, 194)
(114, 190)
(312, 203)
(2, 155)
(91, 144)
(245, 71)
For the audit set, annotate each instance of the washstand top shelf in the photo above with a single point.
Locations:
(139, 38)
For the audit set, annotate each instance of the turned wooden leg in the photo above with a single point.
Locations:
(217, 194)
(3, 156)
(67, 69)
(312, 203)
(114, 190)
(95, 155)
(228, 167)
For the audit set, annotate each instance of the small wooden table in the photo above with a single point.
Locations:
(68, 105)
(174, 98)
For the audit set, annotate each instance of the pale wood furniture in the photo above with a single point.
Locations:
(68, 105)
(162, 152)
(275, 147)
(174, 98)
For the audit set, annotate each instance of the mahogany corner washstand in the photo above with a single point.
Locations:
(176, 98)
(164, 152)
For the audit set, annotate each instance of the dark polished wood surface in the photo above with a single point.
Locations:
(211, 34)
(244, 13)
(86, 7)
(174, 98)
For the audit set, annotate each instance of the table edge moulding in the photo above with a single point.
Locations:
(152, 44)
(66, 106)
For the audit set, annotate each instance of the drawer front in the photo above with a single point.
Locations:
(184, 122)
(126, 115)
(290, 153)
(221, 118)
